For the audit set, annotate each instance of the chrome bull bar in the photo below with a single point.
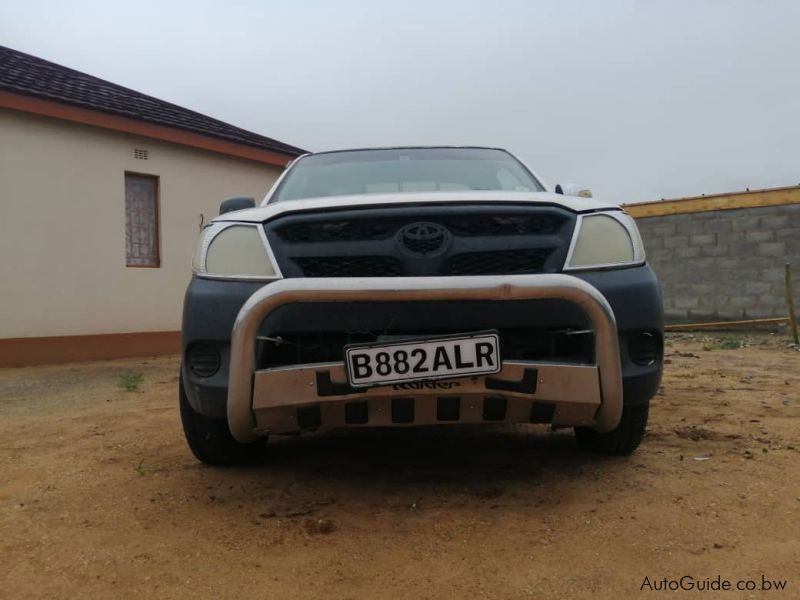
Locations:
(241, 419)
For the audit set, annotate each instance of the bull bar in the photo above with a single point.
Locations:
(241, 417)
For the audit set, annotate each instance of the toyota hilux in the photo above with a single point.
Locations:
(417, 286)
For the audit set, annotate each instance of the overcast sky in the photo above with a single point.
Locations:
(637, 99)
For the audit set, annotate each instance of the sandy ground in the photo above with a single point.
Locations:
(100, 497)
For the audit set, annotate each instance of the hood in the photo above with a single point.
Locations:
(270, 211)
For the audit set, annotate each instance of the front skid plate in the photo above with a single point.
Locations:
(574, 390)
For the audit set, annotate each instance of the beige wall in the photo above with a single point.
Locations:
(62, 226)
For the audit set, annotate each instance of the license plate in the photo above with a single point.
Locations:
(419, 359)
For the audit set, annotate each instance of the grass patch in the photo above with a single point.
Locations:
(731, 343)
(131, 381)
(726, 343)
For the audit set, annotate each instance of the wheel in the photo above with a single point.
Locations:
(211, 441)
(620, 441)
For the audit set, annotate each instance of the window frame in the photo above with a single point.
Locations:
(157, 228)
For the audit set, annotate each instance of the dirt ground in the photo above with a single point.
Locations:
(100, 497)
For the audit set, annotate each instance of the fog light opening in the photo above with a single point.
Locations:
(203, 359)
(644, 347)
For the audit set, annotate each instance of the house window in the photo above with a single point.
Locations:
(141, 221)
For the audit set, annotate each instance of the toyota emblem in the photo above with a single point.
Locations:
(423, 239)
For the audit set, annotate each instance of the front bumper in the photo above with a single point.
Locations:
(211, 307)
(286, 399)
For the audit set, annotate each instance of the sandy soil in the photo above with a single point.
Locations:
(100, 498)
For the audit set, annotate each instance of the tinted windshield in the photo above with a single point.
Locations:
(404, 170)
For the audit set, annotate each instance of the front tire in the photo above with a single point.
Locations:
(620, 441)
(210, 439)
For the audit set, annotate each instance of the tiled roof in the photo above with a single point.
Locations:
(25, 74)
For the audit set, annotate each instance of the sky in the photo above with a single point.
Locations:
(636, 99)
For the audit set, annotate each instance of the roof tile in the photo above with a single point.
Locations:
(25, 74)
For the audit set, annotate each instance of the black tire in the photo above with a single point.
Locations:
(621, 441)
(211, 441)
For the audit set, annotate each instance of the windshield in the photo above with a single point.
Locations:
(404, 170)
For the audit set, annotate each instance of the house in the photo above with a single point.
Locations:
(103, 193)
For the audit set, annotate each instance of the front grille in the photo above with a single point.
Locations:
(503, 225)
(382, 228)
(337, 231)
(428, 240)
(349, 266)
(508, 262)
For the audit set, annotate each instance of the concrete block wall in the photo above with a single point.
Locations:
(724, 264)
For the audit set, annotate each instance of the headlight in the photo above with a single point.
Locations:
(609, 239)
(235, 251)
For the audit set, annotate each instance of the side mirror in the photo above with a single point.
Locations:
(237, 203)
(574, 189)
